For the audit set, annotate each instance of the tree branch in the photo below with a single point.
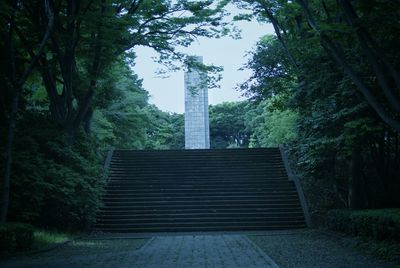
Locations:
(339, 57)
(277, 27)
(46, 37)
(372, 56)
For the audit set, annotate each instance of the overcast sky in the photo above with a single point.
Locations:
(168, 93)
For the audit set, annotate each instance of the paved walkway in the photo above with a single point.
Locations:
(195, 251)
(200, 251)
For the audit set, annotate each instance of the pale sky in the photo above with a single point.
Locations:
(168, 93)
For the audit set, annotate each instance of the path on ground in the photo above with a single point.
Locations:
(196, 251)
(305, 248)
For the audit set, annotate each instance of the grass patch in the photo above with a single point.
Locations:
(43, 238)
(15, 236)
(318, 248)
(383, 250)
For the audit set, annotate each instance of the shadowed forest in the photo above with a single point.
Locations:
(326, 85)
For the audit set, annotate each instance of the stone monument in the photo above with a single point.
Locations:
(197, 130)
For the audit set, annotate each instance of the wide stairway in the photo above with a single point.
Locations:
(199, 190)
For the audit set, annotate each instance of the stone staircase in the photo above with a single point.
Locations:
(199, 190)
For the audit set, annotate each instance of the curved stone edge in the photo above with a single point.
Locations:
(107, 161)
(272, 263)
(292, 177)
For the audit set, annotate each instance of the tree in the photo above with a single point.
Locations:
(88, 35)
(227, 125)
(120, 119)
(272, 122)
(165, 130)
(344, 151)
(272, 127)
(350, 32)
(80, 39)
(387, 77)
(14, 79)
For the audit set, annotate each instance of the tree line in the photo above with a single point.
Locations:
(68, 91)
(326, 85)
(333, 69)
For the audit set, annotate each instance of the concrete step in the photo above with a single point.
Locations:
(199, 229)
(199, 190)
(261, 198)
(196, 161)
(194, 214)
(189, 207)
(202, 210)
(194, 220)
(205, 172)
(199, 152)
(205, 227)
(196, 196)
(189, 188)
(202, 222)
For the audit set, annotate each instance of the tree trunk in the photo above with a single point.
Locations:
(87, 121)
(356, 196)
(5, 191)
(18, 84)
(83, 109)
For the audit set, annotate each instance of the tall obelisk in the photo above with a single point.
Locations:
(197, 129)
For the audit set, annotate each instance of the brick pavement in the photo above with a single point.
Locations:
(172, 251)
(197, 251)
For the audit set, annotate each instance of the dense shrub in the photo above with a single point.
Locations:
(16, 236)
(381, 224)
(57, 179)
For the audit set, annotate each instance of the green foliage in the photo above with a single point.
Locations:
(88, 38)
(165, 131)
(44, 238)
(83, 79)
(337, 143)
(57, 181)
(16, 236)
(227, 125)
(271, 126)
(125, 120)
(380, 224)
(120, 120)
(250, 124)
(22, 236)
(280, 127)
(271, 74)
